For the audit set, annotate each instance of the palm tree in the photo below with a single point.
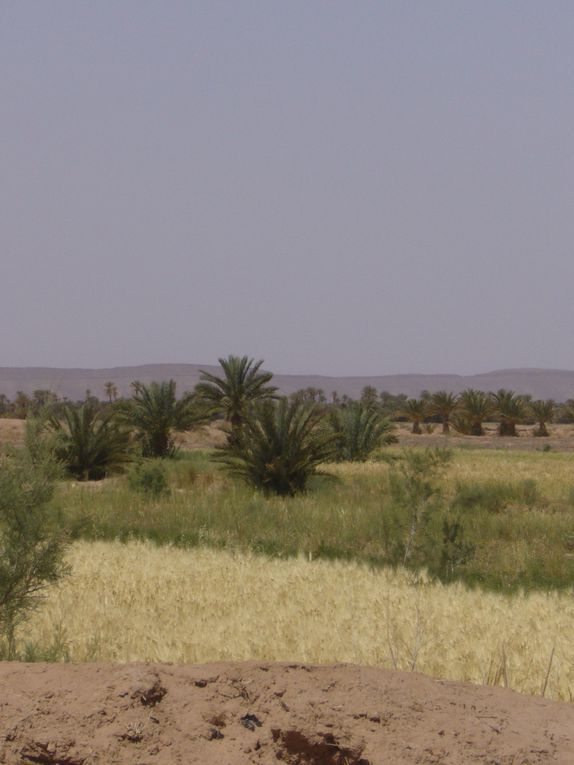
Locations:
(543, 412)
(359, 430)
(510, 410)
(415, 410)
(443, 405)
(155, 413)
(280, 447)
(89, 442)
(474, 407)
(111, 390)
(232, 395)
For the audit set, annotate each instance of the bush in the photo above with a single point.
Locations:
(32, 542)
(88, 442)
(494, 496)
(280, 447)
(359, 431)
(149, 478)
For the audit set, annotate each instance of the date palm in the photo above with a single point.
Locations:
(232, 395)
(543, 412)
(88, 441)
(510, 409)
(359, 430)
(281, 446)
(474, 407)
(155, 413)
(443, 405)
(415, 410)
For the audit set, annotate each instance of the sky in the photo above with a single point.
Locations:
(334, 187)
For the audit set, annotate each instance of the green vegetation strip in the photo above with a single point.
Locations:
(500, 520)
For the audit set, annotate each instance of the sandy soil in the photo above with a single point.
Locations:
(226, 714)
(561, 437)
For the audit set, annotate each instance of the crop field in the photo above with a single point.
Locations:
(213, 570)
(138, 601)
(515, 510)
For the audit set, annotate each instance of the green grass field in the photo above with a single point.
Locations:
(515, 509)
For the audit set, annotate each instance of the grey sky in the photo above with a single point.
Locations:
(336, 187)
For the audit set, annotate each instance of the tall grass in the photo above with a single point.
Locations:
(514, 510)
(141, 602)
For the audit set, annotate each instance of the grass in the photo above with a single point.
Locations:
(515, 509)
(142, 602)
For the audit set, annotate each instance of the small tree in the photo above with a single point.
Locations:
(89, 442)
(32, 543)
(280, 447)
(443, 404)
(359, 430)
(543, 412)
(510, 410)
(474, 407)
(414, 485)
(415, 410)
(154, 412)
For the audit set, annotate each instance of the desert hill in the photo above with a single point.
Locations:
(73, 383)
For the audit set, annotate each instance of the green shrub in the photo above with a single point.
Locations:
(150, 478)
(359, 431)
(494, 496)
(89, 442)
(280, 448)
(32, 541)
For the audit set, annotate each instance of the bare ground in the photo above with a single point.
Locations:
(226, 714)
(561, 437)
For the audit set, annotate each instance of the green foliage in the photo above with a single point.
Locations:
(149, 477)
(510, 410)
(543, 412)
(280, 448)
(494, 496)
(370, 397)
(443, 405)
(155, 413)
(88, 442)
(232, 395)
(415, 410)
(32, 542)
(415, 487)
(474, 407)
(359, 431)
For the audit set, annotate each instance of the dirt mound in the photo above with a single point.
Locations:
(224, 714)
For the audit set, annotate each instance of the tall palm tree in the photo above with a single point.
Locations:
(474, 407)
(232, 395)
(510, 410)
(88, 441)
(359, 430)
(155, 413)
(444, 405)
(543, 412)
(415, 410)
(281, 447)
(111, 391)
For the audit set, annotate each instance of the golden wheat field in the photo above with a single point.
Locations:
(136, 601)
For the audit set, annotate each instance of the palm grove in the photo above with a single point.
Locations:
(275, 443)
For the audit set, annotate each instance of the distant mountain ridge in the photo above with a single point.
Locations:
(557, 384)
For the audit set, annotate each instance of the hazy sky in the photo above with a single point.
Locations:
(336, 187)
